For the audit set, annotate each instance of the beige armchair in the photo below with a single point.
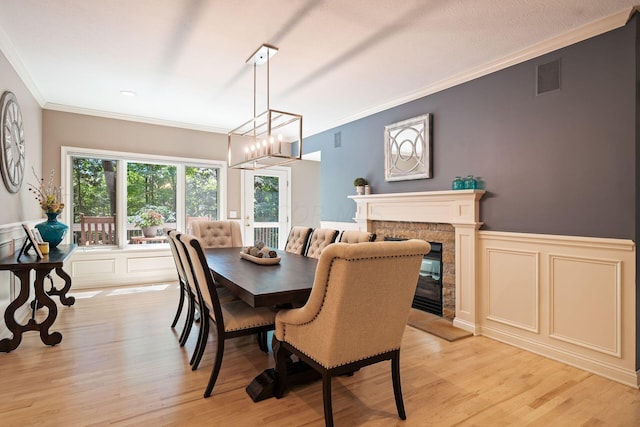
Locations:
(356, 313)
(353, 236)
(217, 234)
(320, 239)
(298, 240)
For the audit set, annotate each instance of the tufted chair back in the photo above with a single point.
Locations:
(352, 236)
(356, 313)
(298, 239)
(320, 239)
(217, 234)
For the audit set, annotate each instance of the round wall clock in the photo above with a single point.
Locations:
(12, 159)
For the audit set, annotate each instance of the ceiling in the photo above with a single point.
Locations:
(339, 60)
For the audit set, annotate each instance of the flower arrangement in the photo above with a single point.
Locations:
(48, 195)
(148, 218)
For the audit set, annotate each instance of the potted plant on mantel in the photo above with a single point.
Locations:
(359, 183)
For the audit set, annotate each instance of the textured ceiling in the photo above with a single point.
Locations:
(338, 60)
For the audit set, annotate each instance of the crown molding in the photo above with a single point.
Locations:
(9, 51)
(132, 118)
(585, 32)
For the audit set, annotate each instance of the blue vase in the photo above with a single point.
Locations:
(52, 230)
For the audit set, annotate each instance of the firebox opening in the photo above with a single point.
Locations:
(428, 295)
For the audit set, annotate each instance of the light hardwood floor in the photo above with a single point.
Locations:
(119, 363)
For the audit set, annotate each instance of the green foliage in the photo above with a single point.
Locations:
(149, 187)
(359, 182)
(91, 195)
(202, 192)
(266, 201)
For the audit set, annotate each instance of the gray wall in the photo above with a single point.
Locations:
(559, 163)
(21, 206)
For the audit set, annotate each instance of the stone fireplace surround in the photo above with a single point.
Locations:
(430, 232)
(395, 212)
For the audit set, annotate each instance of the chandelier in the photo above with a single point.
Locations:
(270, 138)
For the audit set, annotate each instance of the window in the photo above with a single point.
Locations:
(112, 189)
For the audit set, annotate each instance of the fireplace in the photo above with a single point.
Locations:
(449, 217)
(428, 295)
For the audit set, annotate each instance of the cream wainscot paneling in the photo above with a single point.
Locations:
(568, 298)
(91, 268)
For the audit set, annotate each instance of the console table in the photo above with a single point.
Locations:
(22, 270)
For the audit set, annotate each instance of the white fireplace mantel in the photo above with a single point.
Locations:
(461, 208)
(449, 207)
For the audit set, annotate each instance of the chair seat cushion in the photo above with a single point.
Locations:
(239, 315)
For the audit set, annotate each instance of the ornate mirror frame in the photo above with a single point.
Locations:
(407, 149)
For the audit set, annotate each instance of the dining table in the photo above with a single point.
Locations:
(284, 284)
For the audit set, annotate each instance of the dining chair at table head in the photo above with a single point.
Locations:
(232, 319)
(354, 236)
(356, 313)
(298, 240)
(218, 234)
(320, 239)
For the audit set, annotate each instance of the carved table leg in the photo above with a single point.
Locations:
(62, 293)
(45, 301)
(8, 344)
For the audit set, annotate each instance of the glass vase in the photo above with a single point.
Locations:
(52, 230)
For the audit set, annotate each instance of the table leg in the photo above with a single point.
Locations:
(62, 293)
(8, 344)
(265, 385)
(46, 301)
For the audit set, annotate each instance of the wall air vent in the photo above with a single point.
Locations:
(548, 77)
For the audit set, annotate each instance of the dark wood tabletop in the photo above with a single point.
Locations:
(288, 282)
(56, 257)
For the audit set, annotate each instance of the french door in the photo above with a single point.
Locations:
(266, 207)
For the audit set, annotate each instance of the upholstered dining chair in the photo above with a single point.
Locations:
(193, 300)
(354, 236)
(356, 313)
(182, 281)
(232, 319)
(218, 234)
(298, 240)
(320, 239)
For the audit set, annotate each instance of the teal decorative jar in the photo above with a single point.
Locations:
(457, 184)
(470, 183)
(52, 230)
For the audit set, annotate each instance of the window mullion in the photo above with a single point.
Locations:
(121, 202)
(180, 197)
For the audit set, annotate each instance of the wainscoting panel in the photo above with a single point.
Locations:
(94, 268)
(150, 264)
(568, 298)
(585, 302)
(513, 294)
